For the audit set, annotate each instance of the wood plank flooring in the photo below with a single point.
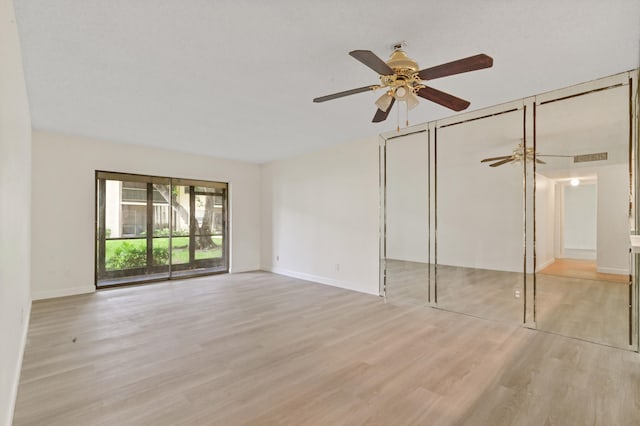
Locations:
(480, 292)
(590, 309)
(584, 269)
(262, 349)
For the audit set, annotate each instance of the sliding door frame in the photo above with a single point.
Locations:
(198, 267)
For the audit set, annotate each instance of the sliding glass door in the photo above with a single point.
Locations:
(198, 240)
(150, 228)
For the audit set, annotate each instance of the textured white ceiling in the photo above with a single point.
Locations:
(235, 79)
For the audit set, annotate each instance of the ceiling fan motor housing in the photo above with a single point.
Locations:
(400, 62)
(405, 73)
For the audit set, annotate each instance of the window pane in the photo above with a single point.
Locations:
(181, 224)
(209, 247)
(125, 254)
(160, 251)
(179, 250)
(161, 198)
(180, 204)
(218, 217)
(208, 189)
(125, 209)
(205, 208)
(210, 214)
(134, 220)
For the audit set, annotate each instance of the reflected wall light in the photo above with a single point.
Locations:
(575, 182)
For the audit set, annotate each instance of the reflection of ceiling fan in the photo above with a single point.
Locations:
(403, 80)
(519, 154)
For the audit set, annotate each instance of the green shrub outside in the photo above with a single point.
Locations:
(128, 256)
(125, 254)
(164, 232)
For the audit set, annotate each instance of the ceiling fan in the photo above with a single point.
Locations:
(520, 154)
(402, 78)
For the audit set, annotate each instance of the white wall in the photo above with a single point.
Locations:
(480, 208)
(15, 211)
(545, 221)
(558, 231)
(63, 200)
(320, 216)
(613, 220)
(580, 221)
(407, 201)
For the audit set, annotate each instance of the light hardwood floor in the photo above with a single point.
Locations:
(479, 292)
(587, 307)
(262, 349)
(584, 269)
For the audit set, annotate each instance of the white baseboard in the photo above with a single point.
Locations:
(575, 253)
(16, 378)
(607, 270)
(62, 292)
(318, 279)
(239, 269)
(543, 265)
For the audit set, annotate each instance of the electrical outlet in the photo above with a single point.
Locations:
(517, 294)
(277, 258)
(337, 267)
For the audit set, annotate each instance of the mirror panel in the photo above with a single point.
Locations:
(583, 193)
(407, 202)
(479, 214)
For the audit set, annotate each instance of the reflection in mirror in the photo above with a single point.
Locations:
(582, 217)
(407, 201)
(472, 209)
(480, 218)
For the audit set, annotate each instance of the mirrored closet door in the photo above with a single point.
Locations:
(478, 202)
(521, 213)
(583, 203)
(407, 218)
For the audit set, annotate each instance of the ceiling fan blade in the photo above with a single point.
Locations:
(495, 158)
(500, 163)
(540, 161)
(382, 115)
(472, 63)
(443, 98)
(345, 93)
(371, 60)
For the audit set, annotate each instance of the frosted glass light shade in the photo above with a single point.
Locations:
(384, 102)
(406, 94)
(411, 100)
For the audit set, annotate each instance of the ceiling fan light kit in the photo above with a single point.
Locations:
(403, 80)
(384, 102)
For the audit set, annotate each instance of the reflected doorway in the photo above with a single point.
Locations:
(582, 197)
